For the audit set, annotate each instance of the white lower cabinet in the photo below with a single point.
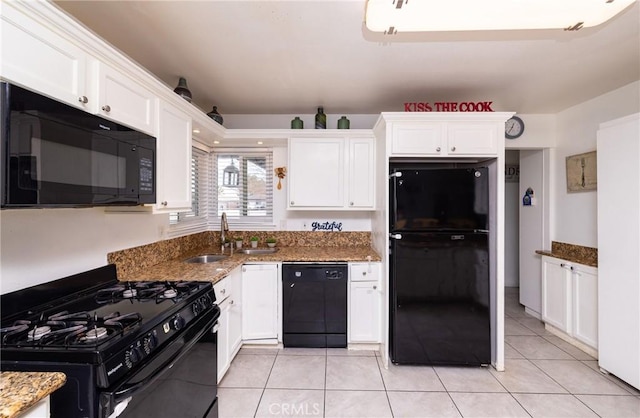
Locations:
(585, 305)
(229, 299)
(556, 293)
(365, 303)
(570, 299)
(260, 302)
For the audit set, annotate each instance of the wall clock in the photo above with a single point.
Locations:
(513, 128)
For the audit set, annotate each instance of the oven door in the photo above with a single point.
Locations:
(178, 382)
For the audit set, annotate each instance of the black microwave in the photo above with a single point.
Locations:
(54, 155)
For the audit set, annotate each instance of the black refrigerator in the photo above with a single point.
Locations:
(439, 252)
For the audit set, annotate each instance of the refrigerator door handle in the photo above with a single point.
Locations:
(395, 236)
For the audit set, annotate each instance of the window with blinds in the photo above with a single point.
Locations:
(243, 186)
(200, 190)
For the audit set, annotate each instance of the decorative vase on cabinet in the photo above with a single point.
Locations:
(321, 119)
(215, 115)
(182, 90)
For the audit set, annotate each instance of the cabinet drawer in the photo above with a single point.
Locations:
(222, 290)
(364, 272)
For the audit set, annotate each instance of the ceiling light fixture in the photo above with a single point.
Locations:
(196, 131)
(392, 16)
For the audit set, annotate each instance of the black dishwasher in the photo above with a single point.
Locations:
(314, 305)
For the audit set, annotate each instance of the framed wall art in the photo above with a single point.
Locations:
(582, 172)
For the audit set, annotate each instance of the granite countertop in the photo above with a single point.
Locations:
(21, 390)
(177, 269)
(575, 258)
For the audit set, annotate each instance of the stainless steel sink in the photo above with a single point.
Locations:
(206, 258)
(255, 251)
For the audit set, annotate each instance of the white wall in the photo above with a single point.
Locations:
(512, 226)
(534, 224)
(539, 132)
(574, 214)
(40, 245)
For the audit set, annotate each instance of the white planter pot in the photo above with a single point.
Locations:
(254, 244)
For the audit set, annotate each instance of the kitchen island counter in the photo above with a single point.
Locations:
(178, 269)
(19, 391)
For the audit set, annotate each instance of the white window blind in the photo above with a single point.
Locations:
(201, 176)
(243, 187)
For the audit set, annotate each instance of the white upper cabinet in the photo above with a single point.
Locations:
(473, 138)
(316, 173)
(41, 60)
(331, 173)
(124, 99)
(445, 134)
(361, 193)
(418, 138)
(173, 162)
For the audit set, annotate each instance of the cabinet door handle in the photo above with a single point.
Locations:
(164, 203)
(106, 108)
(83, 99)
(350, 203)
(223, 291)
(438, 149)
(364, 273)
(375, 287)
(231, 303)
(453, 148)
(293, 203)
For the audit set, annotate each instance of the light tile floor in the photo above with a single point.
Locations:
(544, 377)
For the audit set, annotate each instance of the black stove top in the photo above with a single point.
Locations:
(87, 318)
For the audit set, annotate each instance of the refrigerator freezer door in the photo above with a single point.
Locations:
(439, 198)
(440, 299)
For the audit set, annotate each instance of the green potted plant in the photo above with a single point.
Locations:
(238, 241)
(254, 241)
(271, 242)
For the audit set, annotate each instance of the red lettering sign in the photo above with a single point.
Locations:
(448, 107)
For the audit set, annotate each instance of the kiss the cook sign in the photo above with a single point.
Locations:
(448, 107)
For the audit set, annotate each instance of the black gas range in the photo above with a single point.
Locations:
(129, 349)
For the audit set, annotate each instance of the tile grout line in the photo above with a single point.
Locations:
(384, 385)
(265, 384)
(324, 393)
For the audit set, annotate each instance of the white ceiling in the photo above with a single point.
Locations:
(288, 57)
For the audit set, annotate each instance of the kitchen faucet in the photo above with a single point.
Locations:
(224, 227)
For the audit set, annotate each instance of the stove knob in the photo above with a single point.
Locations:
(206, 301)
(177, 322)
(197, 308)
(150, 342)
(131, 357)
